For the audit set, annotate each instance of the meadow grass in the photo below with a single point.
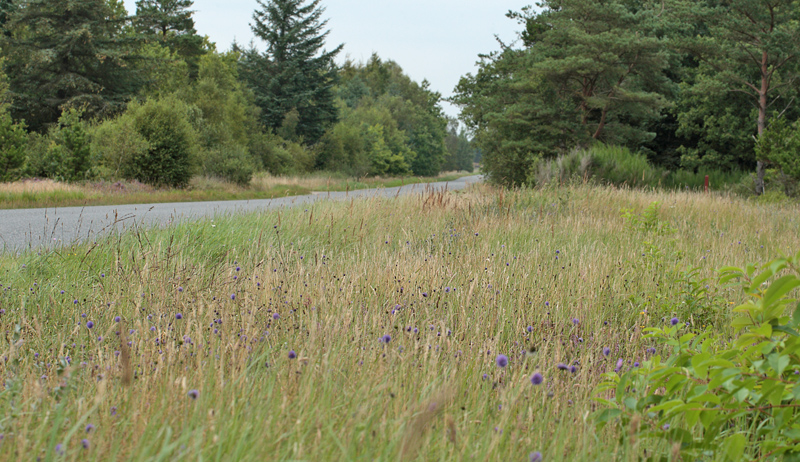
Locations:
(363, 330)
(36, 193)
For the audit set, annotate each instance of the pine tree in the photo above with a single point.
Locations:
(295, 74)
(171, 23)
(68, 53)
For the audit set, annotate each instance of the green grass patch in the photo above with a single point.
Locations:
(284, 318)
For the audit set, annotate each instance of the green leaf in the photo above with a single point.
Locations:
(778, 362)
(734, 447)
(630, 403)
(607, 415)
(780, 288)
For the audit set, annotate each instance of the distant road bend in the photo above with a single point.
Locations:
(53, 227)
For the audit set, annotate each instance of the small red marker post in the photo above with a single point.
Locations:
(706, 185)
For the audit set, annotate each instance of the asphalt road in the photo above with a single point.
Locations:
(24, 229)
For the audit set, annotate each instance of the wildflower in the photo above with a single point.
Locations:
(89, 428)
(276, 316)
(424, 294)
(485, 376)
(535, 456)
(194, 394)
(502, 360)
(665, 427)
(606, 351)
(179, 316)
(562, 366)
(620, 362)
(180, 289)
(537, 379)
(233, 296)
(89, 324)
(573, 369)
(85, 443)
(674, 321)
(60, 449)
(651, 350)
(117, 319)
(530, 329)
(575, 321)
(386, 338)
(292, 354)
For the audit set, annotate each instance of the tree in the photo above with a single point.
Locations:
(171, 23)
(590, 70)
(67, 53)
(294, 72)
(751, 49)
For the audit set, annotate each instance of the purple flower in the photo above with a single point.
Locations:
(233, 296)
(502, 360)
(573, 369)
(485, 376)
(651, 351)
(178, 316)
(620, 362)
(117, 319)
(60, 449)
(180, 289)
(535, 456)
(292, 354)
(674, 321)
(665, 427)
(85, 443)
(89, 428)
(606, 351)
(194, 394)
(576, 321)
(537, 379)
(636, 364)
(276, 316)
(530, 329)
(386, 338)
(89, 324)
(424, 294)
(562, 366)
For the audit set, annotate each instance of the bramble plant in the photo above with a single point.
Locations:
(714, 398)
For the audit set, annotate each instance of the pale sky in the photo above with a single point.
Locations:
(438, 40)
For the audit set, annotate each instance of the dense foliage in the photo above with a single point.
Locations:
(94, 92)
(690, 83)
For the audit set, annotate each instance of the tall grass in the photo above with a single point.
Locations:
(284, 317)
(619, 166)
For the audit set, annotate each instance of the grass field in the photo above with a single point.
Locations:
(365, 330)
(48, 193)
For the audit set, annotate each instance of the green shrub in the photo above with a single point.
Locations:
(13, 140)
(711, 398)
(172, 143)
(280, 157)
(115, 143)
(64, 153)
(230, 162)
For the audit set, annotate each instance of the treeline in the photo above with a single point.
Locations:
(696, 85)
(89, 91)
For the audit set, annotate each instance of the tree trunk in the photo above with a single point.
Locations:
(762, 120)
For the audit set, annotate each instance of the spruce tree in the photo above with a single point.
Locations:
(68, 53)
(294, 75)
(171, 23)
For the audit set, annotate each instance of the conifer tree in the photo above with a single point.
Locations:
(67, 53)
(294, 76)
(171, 23)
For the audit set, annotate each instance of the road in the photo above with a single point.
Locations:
(24, 229)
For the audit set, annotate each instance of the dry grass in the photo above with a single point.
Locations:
(544, 277)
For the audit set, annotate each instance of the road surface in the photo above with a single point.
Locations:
(53, 227)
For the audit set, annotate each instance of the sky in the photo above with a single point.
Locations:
(437, 40)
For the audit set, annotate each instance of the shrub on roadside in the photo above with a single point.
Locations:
(115, 143)
(63, 153)
(13, 140)
(229, 162)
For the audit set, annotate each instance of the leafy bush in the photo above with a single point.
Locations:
(13, 140)
(62, 154)
(172, 143)
(712, 398)
(230, 162)
(280, 157)
(115, 143)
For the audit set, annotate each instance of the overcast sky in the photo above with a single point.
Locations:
(438, 40)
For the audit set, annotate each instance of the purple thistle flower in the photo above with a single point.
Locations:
(179, 316)
(60, 449)
(85, 443)
(89, 324)
(276, 316)
(233, 296)
(620, 362)
(573, 369)
(537, 379)
(665, 427)
(194, 394)
(424, 294)
(576, 321)
(117, 319)
(292, 354)
(562, 366)
(89, 428)
(485, 376)
(636, 364)
(180, 289)
(535, 456)
(386, 338)
(674, 321)
(606, 351)
(502, 360)
(651, 351)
